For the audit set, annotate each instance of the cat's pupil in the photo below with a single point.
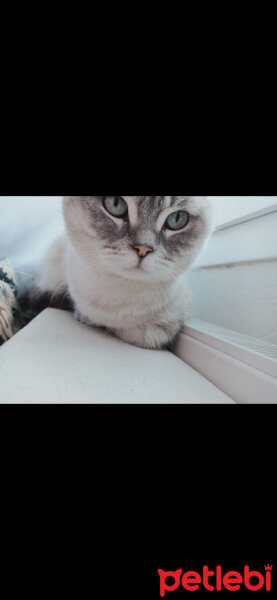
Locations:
(116, 202)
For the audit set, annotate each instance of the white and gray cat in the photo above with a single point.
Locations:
(122, 260)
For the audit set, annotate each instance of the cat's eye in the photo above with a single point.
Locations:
(116, 206)
(177, 220)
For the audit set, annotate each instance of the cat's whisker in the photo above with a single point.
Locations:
(56, 291)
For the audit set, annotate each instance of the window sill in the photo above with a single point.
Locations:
(57, 360)
(242, 367)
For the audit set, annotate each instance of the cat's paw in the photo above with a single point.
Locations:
(79, 317)
(151, 337)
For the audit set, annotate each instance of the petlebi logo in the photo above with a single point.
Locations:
(216, 580)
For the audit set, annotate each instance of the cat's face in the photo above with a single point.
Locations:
(139, 237)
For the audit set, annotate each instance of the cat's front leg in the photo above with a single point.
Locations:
(152, 337)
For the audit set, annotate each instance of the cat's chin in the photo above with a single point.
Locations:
(133, 273)
(138, 274)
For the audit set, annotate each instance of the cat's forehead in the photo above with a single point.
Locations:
(158, 202)
(154, 205)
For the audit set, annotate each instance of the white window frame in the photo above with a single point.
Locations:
(244, 368)
(231, 362)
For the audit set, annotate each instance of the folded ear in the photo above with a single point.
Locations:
(205, 206)
(75, 214)
(69, 200)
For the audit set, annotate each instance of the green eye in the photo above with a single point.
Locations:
(177, 220)
(116, 206)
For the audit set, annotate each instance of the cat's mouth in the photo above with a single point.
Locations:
(139, 265)
(139, 271)
(134, 269)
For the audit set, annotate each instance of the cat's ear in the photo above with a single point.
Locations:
(204, 206)
(68, 204)
(67, 200)
(74, 214)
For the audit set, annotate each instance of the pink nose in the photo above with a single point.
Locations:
(143, 250)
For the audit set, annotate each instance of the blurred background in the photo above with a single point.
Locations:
(28, 225)
(234, 282)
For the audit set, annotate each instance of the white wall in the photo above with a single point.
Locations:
(242, 298)
(246, 241)
(234, 283)
(227, 208)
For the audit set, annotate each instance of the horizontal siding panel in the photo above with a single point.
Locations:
(253, 240)
(228, 208)
(242, 298)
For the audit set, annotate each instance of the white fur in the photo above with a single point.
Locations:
(138, 305)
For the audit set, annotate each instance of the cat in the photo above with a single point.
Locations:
(121, 262)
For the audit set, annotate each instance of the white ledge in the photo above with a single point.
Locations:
(57, 360)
